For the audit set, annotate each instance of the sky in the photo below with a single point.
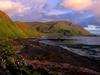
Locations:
(83, 12)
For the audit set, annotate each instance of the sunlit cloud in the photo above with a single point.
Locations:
(76, 4)
(12, 7)
(95, 7)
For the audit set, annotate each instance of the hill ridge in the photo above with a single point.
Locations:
(9, 28)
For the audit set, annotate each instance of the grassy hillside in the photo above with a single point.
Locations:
(59, 28)
(29, 31)
(8, 28)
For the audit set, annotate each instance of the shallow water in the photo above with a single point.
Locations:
(84, 46)
(77, 40)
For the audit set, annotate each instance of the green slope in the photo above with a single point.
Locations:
(29, 30)
(63, 28)
(8, 28)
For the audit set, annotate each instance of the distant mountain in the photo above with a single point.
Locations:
(63, 28)
(8, 28)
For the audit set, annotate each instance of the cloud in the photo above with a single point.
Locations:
(39, 10)
(57, 12)
(95, 7)
(13, 7)
(79, 5)
(45, 5)
(39, 4)
(76, 4)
